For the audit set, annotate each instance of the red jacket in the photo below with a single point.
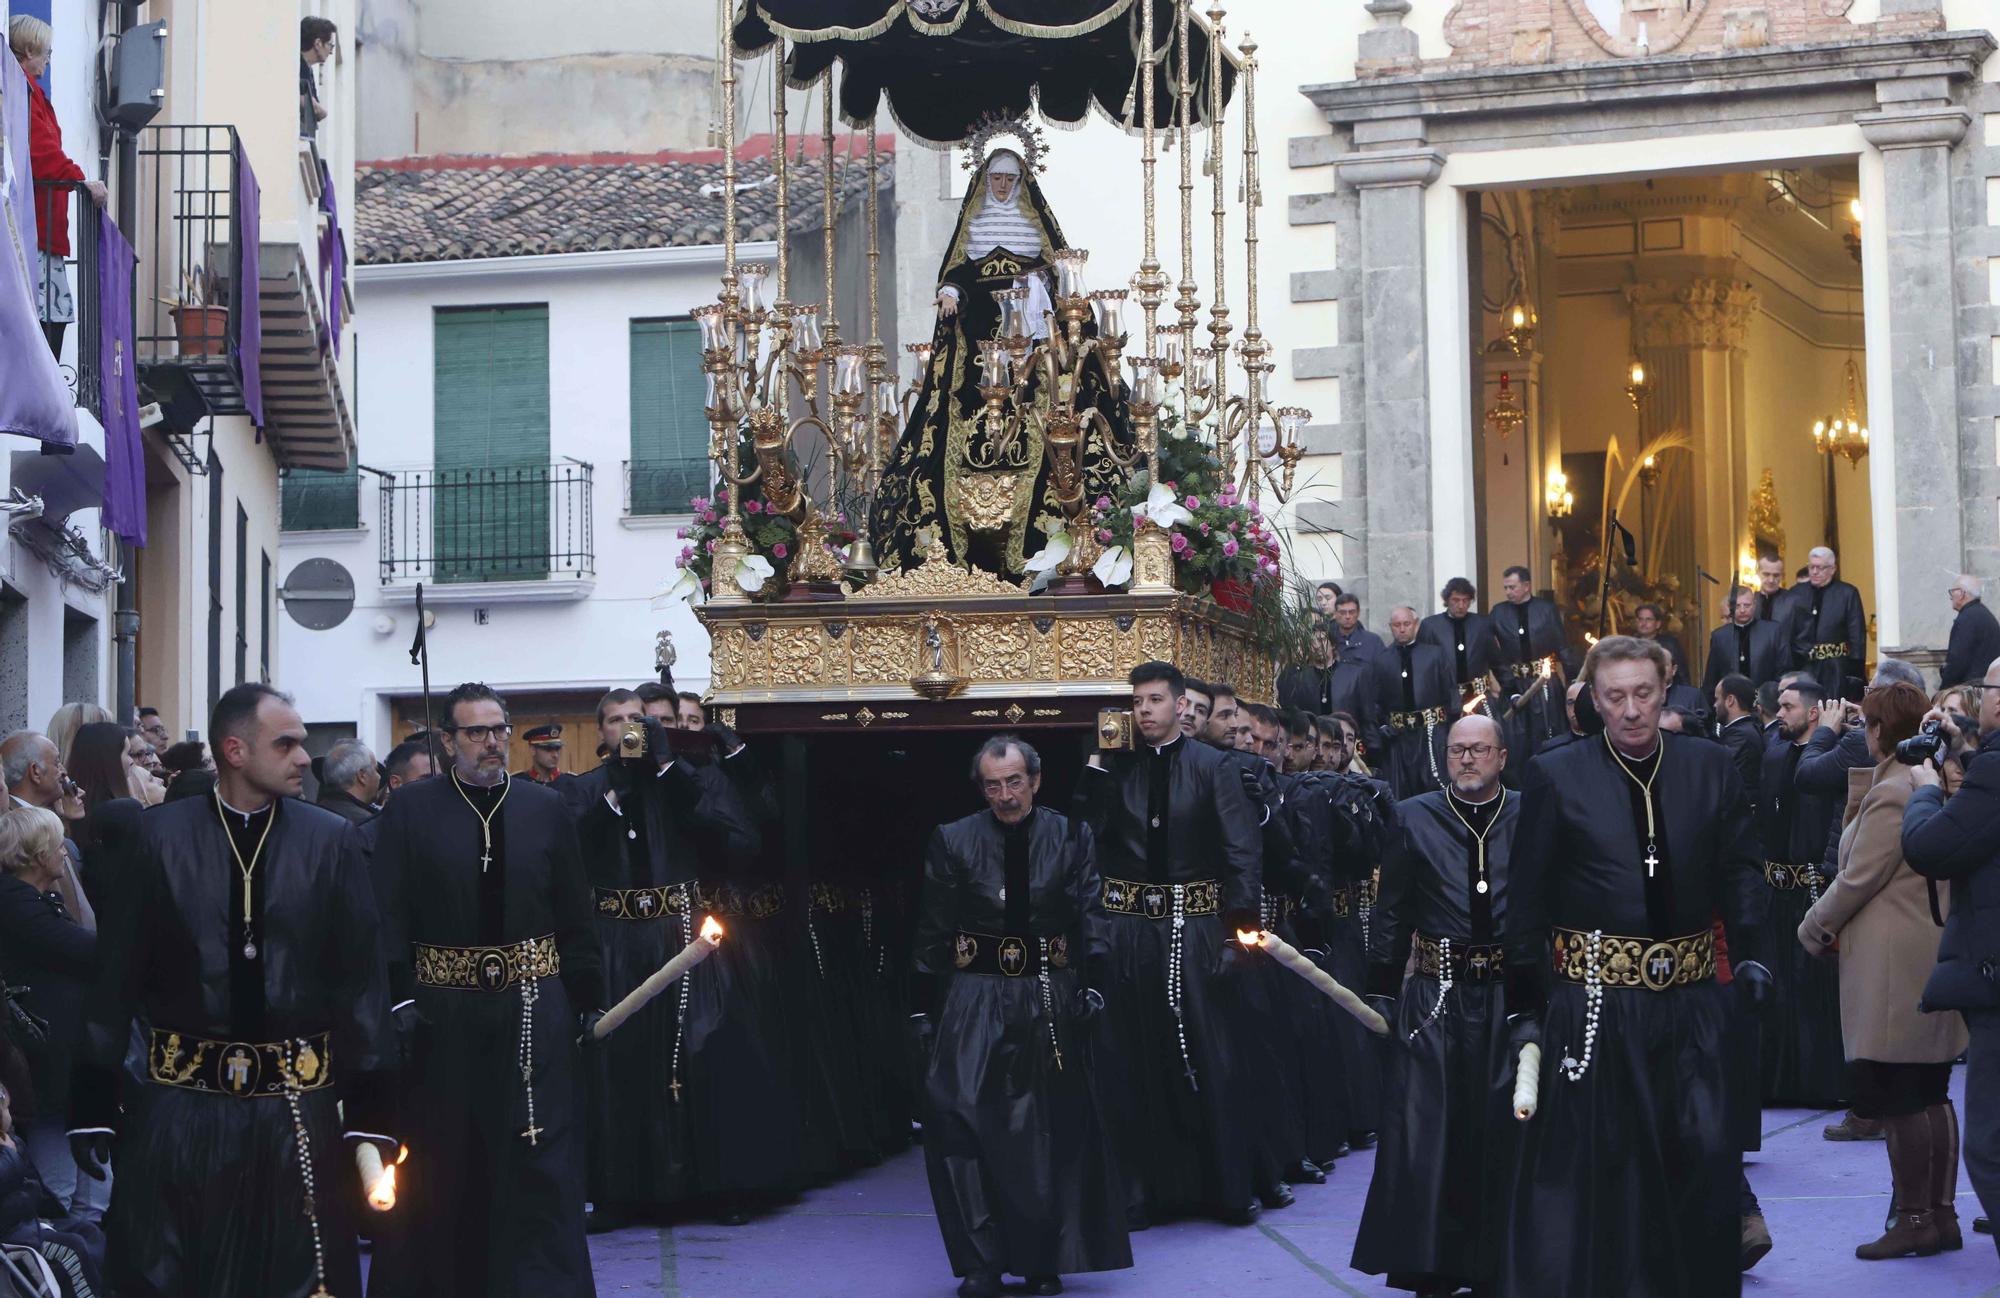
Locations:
(48, 162)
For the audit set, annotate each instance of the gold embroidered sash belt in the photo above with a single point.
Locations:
(1416, 720)
(1008, 957)
(1364, 893)
(734, 901)
(248, 1070)
(1787, 878)
(1343, 902)
(1637, 961)
(1156, 900)
(640, 903)
(486, 968)
(1820, 653)
(1469, 963)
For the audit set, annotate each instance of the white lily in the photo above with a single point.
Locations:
(686, 586)
(752, 573)
(1114, 566)
(1050, 555)
(1163, 507)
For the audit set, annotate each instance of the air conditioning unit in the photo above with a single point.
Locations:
(138, 87)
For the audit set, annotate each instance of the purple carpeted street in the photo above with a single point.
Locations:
(873, 1236)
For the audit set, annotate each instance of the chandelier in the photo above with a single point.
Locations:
(1844, 434)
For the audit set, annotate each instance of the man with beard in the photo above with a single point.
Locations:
(1466, 637)
(1433, 1215)
(1830, 637)
(1012, 943)
(1327, 683)
(1201, 702)
(1629, 844)
(1745, 646)
(495, 971)
(1803, 1058)
(249, 952)
(1528, 634)
(1336, 742)
(1220, 732)
(1179, 849)
(1415, 701)
(1736, 714)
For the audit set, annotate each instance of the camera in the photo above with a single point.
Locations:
(1114, 729)
(1924, 746)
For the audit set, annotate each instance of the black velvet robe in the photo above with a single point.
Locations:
(1435, 1206)
(1020, 1165)
(1830, 614)
(1183, 1142)
(1322, 691)
(1757, 650)
(1470, 645)
(208, 1192)
(1524, 634)
(1627, 1180)
(1309, 1028)
(1803, 1062)
(1350, 1094)
(1409, 678)
(483, 1213)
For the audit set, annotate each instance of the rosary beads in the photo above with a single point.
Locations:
(1593, 1001)
(1444, 987)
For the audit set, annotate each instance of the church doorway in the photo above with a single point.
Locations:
(1670, 370)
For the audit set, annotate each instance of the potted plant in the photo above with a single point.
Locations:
(201, 326)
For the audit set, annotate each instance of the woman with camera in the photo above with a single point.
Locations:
(1883, 920)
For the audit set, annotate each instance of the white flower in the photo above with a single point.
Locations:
(752, 573)
(686, 586)
(1163, 508)
(1051, 554)
(1114, 566)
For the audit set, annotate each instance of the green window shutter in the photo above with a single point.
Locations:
(319, 500)
(669, 427)
(491, 444)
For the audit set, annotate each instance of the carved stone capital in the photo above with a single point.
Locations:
(1918, 126)
(1389, 168)
(1706, 314)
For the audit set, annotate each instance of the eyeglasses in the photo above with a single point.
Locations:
(480, 734)
(1459, 751)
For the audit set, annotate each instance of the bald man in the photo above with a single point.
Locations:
(1416, 700)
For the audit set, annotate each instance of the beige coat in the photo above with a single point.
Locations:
(1879, 909)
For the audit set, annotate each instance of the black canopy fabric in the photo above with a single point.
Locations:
(945, 64)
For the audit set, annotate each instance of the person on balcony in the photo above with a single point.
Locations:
(318, 38)
(32, 40)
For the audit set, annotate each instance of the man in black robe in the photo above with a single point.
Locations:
(249, 949)
(1433, 1216)
(1466, 637)
(1975, 634)
(1804, 1062)
(1010, 947)
(495, 972)
(1830, 637)
(1778, 603)
(1737, 728)
(1649, 623)
(1328, 683)
(1179, 849)
(1529, 648)
(1416, 700)
(1629, 845)
(1745, 645)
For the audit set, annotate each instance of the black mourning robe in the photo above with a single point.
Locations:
(1676, 653)
(1020, 1165)
(1434, 1212)
(1184, 1141)
(1974, 644)
(1744, 739)
(1346, 1100)
(483, 1213)
(1323, 691)
(207, 1200)
(1627, 1180)
(1469, 643)
(1803, 1061)
(1757, 650)
(1525, 635)
(1410, 678)
(1830, 615)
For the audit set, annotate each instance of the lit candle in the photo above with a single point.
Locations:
(380, 1181)
(692, 954)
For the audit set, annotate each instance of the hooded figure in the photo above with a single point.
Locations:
(944, 461)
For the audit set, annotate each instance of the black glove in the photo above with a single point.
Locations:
(659, 741)
(33, 1027)
(1234, 958)
(1086, 1004)
(91, 1151)
(1755, 980)
(1386, 1007)
(410, 1024)
(923, 1034)
(586, 1027)
(618, 773)
(726, 740)
(1521, 1030)
(1253, 785)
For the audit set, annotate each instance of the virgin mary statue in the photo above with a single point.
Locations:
(986, 498)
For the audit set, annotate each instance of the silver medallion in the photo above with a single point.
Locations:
(249, 950)
(1482, 887)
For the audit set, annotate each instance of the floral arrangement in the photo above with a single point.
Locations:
(773, 539)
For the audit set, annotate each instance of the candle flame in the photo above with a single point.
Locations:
(382, 1194)
(1249, 937)
(711, 930)
(1472, 705)
(1548, 666)
(402, 1154)
(1588, 638)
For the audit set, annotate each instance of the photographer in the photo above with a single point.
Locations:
(1954, 841)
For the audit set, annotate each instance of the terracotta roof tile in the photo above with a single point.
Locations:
(448, 209)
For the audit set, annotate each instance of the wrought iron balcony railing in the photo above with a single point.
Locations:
(665, 486)
(189, 313)
(75, 304)
(529, 522)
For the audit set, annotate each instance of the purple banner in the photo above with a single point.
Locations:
(34, 401)
(118, 381)
(332, 259)
(249, 271)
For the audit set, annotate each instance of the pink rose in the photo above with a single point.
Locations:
(1232, 527)
(1180, 543)
(1139, 519)
(1103, 502)
(1230, 547)
(1193, 502)
(779, 551)
(680, 534)
(1104, 536)
(1204, 529)
(710, 546)
(753, 506)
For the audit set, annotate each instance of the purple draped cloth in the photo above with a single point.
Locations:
(34, 400)
(249, 271)
(118, 383)
(332, 259)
